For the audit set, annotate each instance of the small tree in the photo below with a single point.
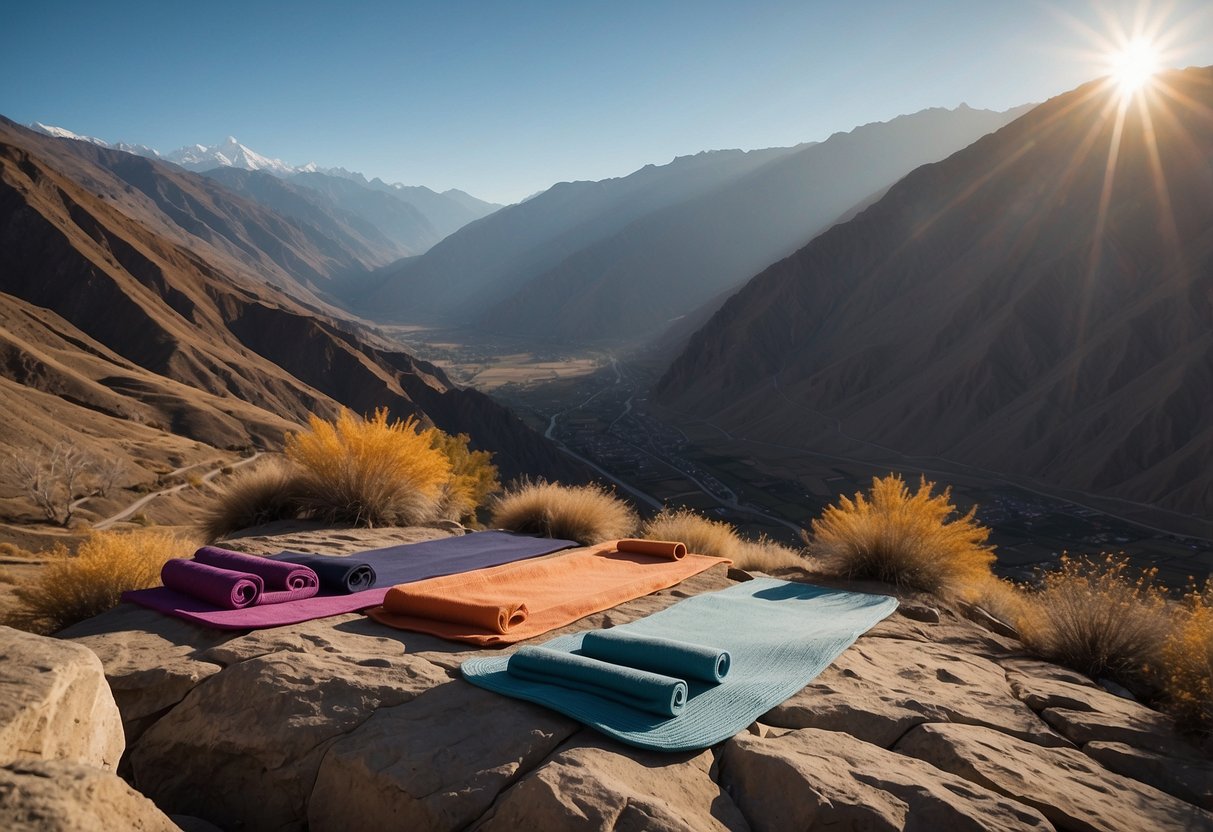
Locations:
(106, 475)
(50, 477)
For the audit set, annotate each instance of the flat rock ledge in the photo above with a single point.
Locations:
(930, 721)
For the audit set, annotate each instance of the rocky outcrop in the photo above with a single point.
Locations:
(928, 724)
(815, 779)
(1068, 787)
(58, 796)
(60, 739)
(55, 704)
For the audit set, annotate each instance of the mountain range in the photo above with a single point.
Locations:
(142, 304)
(616, 261)
(1039, 303)
(409, 218)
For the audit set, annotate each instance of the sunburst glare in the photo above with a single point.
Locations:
(1133, 66)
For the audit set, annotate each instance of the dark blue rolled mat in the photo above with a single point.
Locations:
(659, 655)
(640, 689)
(340, 575)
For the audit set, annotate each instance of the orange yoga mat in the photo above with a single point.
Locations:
(516, 601)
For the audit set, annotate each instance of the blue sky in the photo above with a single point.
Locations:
(503, 99)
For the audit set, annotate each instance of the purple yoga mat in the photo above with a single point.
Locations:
(283, 581)
(401, 564)
(221, 587)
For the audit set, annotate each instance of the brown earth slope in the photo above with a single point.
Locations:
(1040, 303)
(124, 319)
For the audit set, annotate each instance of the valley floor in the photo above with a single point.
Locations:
(595, 404)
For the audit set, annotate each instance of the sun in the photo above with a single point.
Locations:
(1133, 66)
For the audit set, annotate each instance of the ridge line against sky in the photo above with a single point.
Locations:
(503, 100)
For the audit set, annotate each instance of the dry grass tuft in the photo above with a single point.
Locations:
(1096, 617)
(272, 490)
(472, 479)
(71, 588)
(369, 472)
(715, 537)
(701, 535)
(1006, 601)
(766, 555)
(586, 513)
(908, 539)
(1186, 668)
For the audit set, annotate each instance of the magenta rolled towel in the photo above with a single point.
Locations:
(283, 581)
(222, 587)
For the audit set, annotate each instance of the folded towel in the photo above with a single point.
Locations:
(283, 581)
(660, 655)
(553, 591)
(491, 616)
(224, 588)
(652, 692)
(337, 575)
(657, 548)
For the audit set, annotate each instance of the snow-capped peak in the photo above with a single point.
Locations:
(229, 154)
(62, 133)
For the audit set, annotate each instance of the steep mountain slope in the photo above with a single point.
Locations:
(414, 219)
(667, 263)
(1040, 303)
(346, 230)
(195, 211)
(484, 262)
(398, 220)
(110, 308)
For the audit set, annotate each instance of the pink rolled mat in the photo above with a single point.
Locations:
(283, 581)
(221, 587)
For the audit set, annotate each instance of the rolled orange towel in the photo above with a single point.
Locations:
(489, 617)
(657, 548)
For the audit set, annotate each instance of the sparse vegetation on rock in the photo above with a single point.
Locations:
(1098, 617)
(715, 537)
(1186, 672)
(73, 587)
(268, 491)
(585, 513)
(908, 539)
(360, 471)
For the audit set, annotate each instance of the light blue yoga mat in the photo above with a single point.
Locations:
(779, 635)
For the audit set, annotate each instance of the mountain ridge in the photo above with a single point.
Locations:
(958, 316)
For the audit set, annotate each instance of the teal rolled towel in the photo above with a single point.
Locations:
(640, 689)
(659, 655)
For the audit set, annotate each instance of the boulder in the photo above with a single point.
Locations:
(245, 745)
(151, 660)
(814, 779)
(1065, 785)
(437, 762)
(593, 783)
(1188, 778)
(1131, 723)
(882, 687)
(55, 703)
(59, 796)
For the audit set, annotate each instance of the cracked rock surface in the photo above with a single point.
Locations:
(922, 724)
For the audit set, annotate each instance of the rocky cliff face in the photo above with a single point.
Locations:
(1038, 304)
(928, 721)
